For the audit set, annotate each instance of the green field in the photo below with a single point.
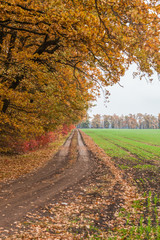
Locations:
(135, 150)
(125, 143)
(137, 153)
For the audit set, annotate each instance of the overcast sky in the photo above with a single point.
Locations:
(136, 96)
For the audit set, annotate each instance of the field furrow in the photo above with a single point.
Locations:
(136, 151)
(137, 154)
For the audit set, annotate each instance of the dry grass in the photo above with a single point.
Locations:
(13, 166)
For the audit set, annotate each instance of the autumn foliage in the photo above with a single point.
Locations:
(18, 146)
(54, 56)
(131, 121)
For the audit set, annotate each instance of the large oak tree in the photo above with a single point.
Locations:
(54, 55)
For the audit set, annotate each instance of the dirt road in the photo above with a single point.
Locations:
(33, 191)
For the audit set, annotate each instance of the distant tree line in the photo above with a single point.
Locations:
(131, 121)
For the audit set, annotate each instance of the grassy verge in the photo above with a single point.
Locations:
(13, 166)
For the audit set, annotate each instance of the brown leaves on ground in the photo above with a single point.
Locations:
(89, 210)
(129, 191)
(13, 166)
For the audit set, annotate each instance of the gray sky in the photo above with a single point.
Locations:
(136, 96)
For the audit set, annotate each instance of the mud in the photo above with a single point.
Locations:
(33, 191)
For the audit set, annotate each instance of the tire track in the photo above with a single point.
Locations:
(33, 191)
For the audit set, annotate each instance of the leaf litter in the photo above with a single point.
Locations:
(89, 210)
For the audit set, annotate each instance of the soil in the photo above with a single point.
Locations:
(37, 189)
(79, 164)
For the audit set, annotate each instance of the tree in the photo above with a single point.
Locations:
(159, 120)
(96, 121)
(140, 120)
(106, 119)
(55, 55)
(85, 123)
(132, 123)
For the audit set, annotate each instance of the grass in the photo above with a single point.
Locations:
(138, 149)
(147, 226)
(136, 152)
(125, 142)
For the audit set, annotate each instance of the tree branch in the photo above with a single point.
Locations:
(47, 44)
(22, 29)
